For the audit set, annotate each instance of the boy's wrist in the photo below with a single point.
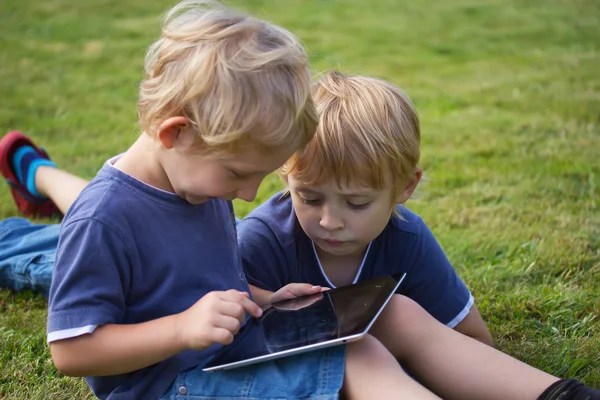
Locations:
(269, 299)
(262, 297)
(179, 332)
(265, 299)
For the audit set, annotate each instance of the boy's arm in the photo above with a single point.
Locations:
(474, 326)
(89, 289)
(261, 297)
(117, 349)
(433, 282)
(265, 298)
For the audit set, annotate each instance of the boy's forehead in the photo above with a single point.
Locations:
(332, 185)
(252, 161)
(342, 179)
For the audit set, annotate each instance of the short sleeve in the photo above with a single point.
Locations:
(263, 257)
(434, 284)
(90, 278)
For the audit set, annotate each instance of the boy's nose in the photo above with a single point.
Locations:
(247, 194)
(330, 220)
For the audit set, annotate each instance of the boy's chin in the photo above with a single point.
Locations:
(195, 200)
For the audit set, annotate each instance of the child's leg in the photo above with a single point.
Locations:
(372, 372)
(60, 186)
(453, 365)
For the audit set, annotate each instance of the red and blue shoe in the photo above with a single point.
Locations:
(19, 158)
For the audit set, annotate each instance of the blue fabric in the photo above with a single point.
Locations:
(130, 253)
(314, 375)
(276, 251)
(27, 254)
(26, 160)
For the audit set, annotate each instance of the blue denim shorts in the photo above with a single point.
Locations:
(315, 375)
(27, 254)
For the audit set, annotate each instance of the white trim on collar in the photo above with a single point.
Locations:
(362, 264)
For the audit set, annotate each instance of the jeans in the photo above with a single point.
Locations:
(316, 375)
(27, 254)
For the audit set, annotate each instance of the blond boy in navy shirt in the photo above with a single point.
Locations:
(343, 219)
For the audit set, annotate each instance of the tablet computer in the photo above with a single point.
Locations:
(308, 323)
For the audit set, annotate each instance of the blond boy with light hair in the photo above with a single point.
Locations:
(148, 285)
(345, 191)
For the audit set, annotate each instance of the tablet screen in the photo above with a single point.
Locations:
(339, 313)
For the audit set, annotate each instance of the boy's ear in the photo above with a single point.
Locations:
(410, 186)
(172, 132)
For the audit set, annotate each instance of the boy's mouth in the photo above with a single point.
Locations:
(333, 242)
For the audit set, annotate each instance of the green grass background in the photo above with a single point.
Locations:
(510, 108)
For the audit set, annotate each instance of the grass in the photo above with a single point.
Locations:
(510, 107)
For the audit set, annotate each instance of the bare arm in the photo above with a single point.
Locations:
(117, 349)
(261, 297)
(265, 298)
(473, 326)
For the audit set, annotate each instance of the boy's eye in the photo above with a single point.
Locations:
(238, 175)
(310, 202)
(361, 206)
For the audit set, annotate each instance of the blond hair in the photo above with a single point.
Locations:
(236, 78)
(368, 134)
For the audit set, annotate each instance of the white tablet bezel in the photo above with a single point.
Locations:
(306, 348)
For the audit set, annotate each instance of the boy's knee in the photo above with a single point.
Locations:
(402, 315)
(369, 347)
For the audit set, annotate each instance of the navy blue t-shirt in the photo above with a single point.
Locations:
(275, 251)
(130, 253)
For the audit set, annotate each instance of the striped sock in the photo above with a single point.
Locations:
(25, 162)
